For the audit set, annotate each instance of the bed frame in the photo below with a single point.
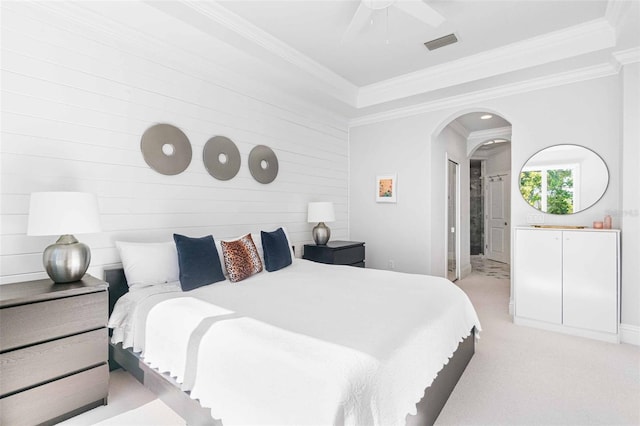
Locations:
(168, 390)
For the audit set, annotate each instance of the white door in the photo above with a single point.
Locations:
(498, 228)
(590, 280)
(538, 275)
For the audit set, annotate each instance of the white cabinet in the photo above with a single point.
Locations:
(538, 268)
(567, 280)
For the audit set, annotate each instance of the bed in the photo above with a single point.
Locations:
(307, 344)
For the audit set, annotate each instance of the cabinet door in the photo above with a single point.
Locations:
(538, 275)
(590, 280)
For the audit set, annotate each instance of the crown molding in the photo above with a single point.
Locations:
(579, 39)
(628, 56)
(479, 137)
(79, 15)
(343, 89)
(591, 36)
(558, 79)
(495, 133)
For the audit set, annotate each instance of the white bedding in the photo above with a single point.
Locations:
(309, 344)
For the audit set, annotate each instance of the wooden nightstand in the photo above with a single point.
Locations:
(53, 350)
(336, 253)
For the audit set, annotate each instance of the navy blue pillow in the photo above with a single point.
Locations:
(276, 250)
(198, 260)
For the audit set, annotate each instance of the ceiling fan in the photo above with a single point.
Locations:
(416, 8)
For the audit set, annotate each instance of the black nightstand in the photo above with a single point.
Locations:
(336, 253)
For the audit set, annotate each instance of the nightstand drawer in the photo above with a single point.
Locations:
(37, 364)
(47, 403)
(43, 321)
(336, 253)
(348, 256)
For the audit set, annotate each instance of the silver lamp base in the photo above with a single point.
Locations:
(321, 234)
(67, 260)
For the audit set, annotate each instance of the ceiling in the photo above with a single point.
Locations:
(315, 28)
(385, 66)
(296, 47)
(479, 121)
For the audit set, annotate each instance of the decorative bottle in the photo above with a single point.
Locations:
(607, 222)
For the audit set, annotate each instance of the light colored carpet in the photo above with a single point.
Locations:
(518, 376)
(525, 376)
(150, 414)
(130, 404)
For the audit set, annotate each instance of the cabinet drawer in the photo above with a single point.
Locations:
(36, 364)
(52, 401)
(39, 322)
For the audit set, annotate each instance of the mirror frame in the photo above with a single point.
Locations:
(604, 191)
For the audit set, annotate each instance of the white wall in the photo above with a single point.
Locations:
(399, 231)
(500, 160)
(628, 218)
(76, 98)
(587, 113)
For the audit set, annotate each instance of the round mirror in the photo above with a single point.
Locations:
(563, 179)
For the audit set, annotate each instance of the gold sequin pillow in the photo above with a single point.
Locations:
(241, 258)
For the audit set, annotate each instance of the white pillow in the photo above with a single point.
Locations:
(286, 234)
(148, 264)
(257, 240)
(221, 257)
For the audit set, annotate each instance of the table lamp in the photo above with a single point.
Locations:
(321, 212)
(64, 214)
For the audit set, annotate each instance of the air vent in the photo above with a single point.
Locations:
(441, 42)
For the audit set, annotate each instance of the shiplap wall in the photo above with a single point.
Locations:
(78, 91)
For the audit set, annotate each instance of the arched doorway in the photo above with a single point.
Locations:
(482, 138)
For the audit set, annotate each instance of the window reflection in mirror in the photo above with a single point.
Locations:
(563, 179)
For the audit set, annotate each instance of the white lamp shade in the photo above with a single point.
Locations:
(320, 212)
(60, 213)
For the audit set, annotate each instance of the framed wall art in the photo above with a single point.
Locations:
(387, 188)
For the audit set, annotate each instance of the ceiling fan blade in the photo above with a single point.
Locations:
(420, 10)
(360, 19)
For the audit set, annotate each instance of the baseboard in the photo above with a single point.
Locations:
(574, 331)
(630, 334)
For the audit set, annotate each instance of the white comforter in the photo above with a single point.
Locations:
(309, 344)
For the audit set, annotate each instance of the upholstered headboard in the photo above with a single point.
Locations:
(117, 285)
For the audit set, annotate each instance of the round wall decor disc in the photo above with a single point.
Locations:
(263, 164)
(166, 149)
(221, 158)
